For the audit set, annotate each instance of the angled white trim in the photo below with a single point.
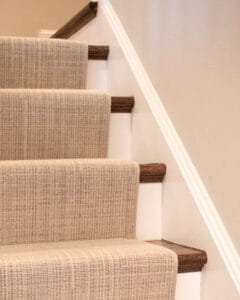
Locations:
(199, 192)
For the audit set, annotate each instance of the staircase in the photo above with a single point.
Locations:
(74, 219)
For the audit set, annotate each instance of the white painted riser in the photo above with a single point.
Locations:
(120, 136)
(188, 286)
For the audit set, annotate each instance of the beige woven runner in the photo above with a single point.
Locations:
(60, 200)
(52, 124)
(88, 270)
(42, 63)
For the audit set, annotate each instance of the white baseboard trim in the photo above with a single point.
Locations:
(199, 192)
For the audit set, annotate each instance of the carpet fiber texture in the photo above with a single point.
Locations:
(52, 124)
(60, 200)
(42, 63)
(88, 270)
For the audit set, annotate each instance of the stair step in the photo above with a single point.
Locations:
(70, 199)
(83, 17)
(56, 124)
(96, 269)
(189, 259)
(57, 64)
(122, 104)
(98, 52)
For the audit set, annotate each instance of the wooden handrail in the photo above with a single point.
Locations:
(83, 17)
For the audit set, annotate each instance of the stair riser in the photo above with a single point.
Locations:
(97, 75)
(120, 136)
(149, 211)
(188, 286)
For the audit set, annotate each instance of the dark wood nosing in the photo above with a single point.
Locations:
(98, 52)
(151, 173)
(189, 259)
(122, 104)
(82, 18)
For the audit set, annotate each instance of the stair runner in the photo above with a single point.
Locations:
(67, 213)
(42, 63)
(53, 124)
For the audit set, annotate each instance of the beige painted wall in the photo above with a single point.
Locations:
(28, 17)
(191, 50)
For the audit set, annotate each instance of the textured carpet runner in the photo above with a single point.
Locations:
(52, 124)
(87, 270)
(42, 63)
(67, 214)
(60, 200)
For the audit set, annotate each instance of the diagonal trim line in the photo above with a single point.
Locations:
(199, 192)
(83, 17)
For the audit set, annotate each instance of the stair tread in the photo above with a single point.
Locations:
(45, 71)
(83, 199)
(113, 268)
(189, 259)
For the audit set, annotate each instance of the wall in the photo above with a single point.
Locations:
(190, 49)
(28, 17)
(182, 221)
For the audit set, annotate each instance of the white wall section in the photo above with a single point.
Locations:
(189, 172)
(190, 50)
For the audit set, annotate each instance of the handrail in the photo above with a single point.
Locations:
(83, 17)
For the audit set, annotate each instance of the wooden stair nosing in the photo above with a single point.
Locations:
(189, 259)
(97, 52)
(83, 17)
(122, 104)
(152, 173)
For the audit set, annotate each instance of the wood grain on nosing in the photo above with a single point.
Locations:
(98, 52)
(150, 173)
(189, 259)
(122, 104)
(83, 17)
